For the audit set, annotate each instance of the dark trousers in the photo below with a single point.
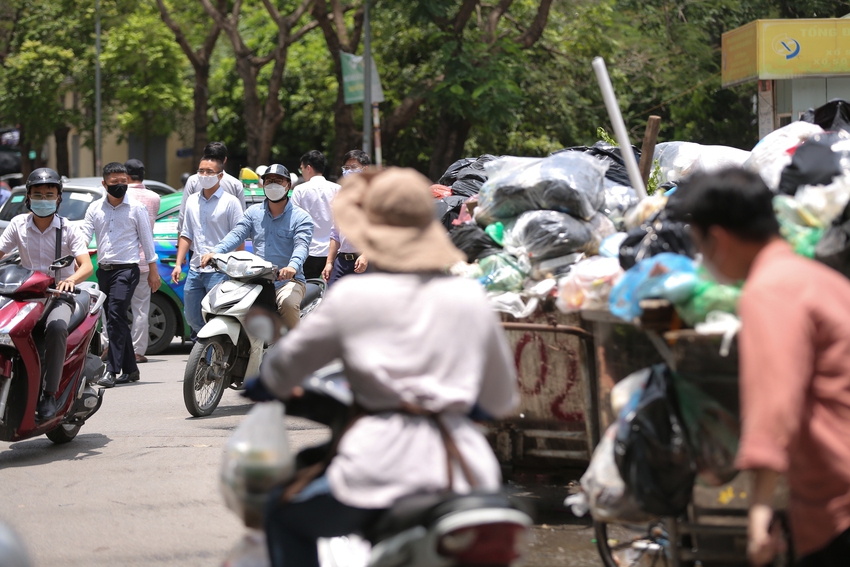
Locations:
(119, 285)
(292, 529)
(313, 266)
(836, 554)
(55, 341)
(342, 267)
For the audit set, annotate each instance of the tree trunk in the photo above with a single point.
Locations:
(202, 76)
(347, 135)
(63, 161)
(26, 163)
(448, 144)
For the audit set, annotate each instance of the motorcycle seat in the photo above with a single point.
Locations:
(314, 291)
(424, 509)
(81, 309)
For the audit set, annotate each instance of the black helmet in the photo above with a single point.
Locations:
(44, 176)
(276, 169)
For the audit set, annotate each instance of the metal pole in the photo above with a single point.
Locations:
(619, 126)
(98, 143)
(367, 80)
(376, 123)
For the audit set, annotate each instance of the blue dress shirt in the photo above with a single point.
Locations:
(283, 240)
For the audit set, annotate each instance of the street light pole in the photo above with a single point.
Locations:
(367, 80)
(98, 145)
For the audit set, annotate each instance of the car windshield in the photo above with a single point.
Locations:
(73, 206)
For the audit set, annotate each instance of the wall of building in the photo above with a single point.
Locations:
(82, 158)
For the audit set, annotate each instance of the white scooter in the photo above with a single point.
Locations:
(224, 354)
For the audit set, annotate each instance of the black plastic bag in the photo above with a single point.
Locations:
(447, 209)
(813, 163)
(450, 176)
(659, 234)
(569, 182)
(474, 242)
(834, 115)
(471, 178)
(541, 235)
(612, 156)
(834, 248)
(652, 450)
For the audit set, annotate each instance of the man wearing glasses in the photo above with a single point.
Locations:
(217, 151)
(315, 196)
(210, 215)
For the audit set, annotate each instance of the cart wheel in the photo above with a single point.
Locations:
(633, 545)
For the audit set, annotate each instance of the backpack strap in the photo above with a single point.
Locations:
(59, 238)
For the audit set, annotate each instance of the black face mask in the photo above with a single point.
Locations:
(117, 191)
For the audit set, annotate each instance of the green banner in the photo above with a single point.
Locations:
(352, 79)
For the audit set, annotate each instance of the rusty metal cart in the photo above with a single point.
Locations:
(713, 531)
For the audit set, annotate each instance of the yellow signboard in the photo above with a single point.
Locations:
(785, 49)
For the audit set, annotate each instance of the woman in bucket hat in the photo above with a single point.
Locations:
(418, 346)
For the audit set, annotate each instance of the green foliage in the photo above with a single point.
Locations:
(603, 135)
(654, 178)
(33, 89)
(146, 76)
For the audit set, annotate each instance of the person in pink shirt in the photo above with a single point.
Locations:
(794, 365)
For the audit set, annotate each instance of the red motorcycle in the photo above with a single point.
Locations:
(25, 296)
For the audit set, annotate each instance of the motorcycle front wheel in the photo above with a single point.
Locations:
(206, 375)
(65, 433)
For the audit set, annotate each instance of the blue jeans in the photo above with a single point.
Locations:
(292, 529)
(198, 284)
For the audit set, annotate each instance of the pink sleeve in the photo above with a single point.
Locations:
(776, 366)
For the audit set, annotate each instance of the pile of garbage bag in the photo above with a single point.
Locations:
(572, 219)
(669, 432)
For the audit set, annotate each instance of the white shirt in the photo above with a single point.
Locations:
(432, 341)
(193, 185)
(38, 249)
(151, 201)
(315, 197)
(207, 222)
(120, 231)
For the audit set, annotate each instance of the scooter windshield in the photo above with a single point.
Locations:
(11, 278)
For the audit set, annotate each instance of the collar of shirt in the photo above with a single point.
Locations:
(216, 195)
(138, 185)
(124, 201)
(272, 215)
(54, 223)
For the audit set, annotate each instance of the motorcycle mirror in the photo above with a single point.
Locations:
(62, 262)
(262, 324)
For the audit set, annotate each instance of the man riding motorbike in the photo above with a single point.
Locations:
(41, 238)
(420, 350)
(281, 234)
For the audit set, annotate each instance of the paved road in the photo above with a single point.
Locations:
(138, 486)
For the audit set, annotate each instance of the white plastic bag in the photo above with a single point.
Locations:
(679, 160)
(607, 496)
(256, 459)
(771, 155)
(625, 389)
(589, 284)
(826, 202)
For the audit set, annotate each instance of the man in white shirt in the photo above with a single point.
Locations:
(210, 215)
(218, 151)
(315, 196)
(120, 225)
(34, 235)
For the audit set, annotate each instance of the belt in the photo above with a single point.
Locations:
(110, 267)
(347, 257)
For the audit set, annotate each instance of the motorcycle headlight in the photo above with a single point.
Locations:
(241, 268)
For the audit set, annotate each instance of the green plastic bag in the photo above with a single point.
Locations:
(803, 239)
(496, 231)
(708, 296)
(502, 272)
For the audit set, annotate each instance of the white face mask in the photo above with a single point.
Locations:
(208, 181)
(275, 191)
